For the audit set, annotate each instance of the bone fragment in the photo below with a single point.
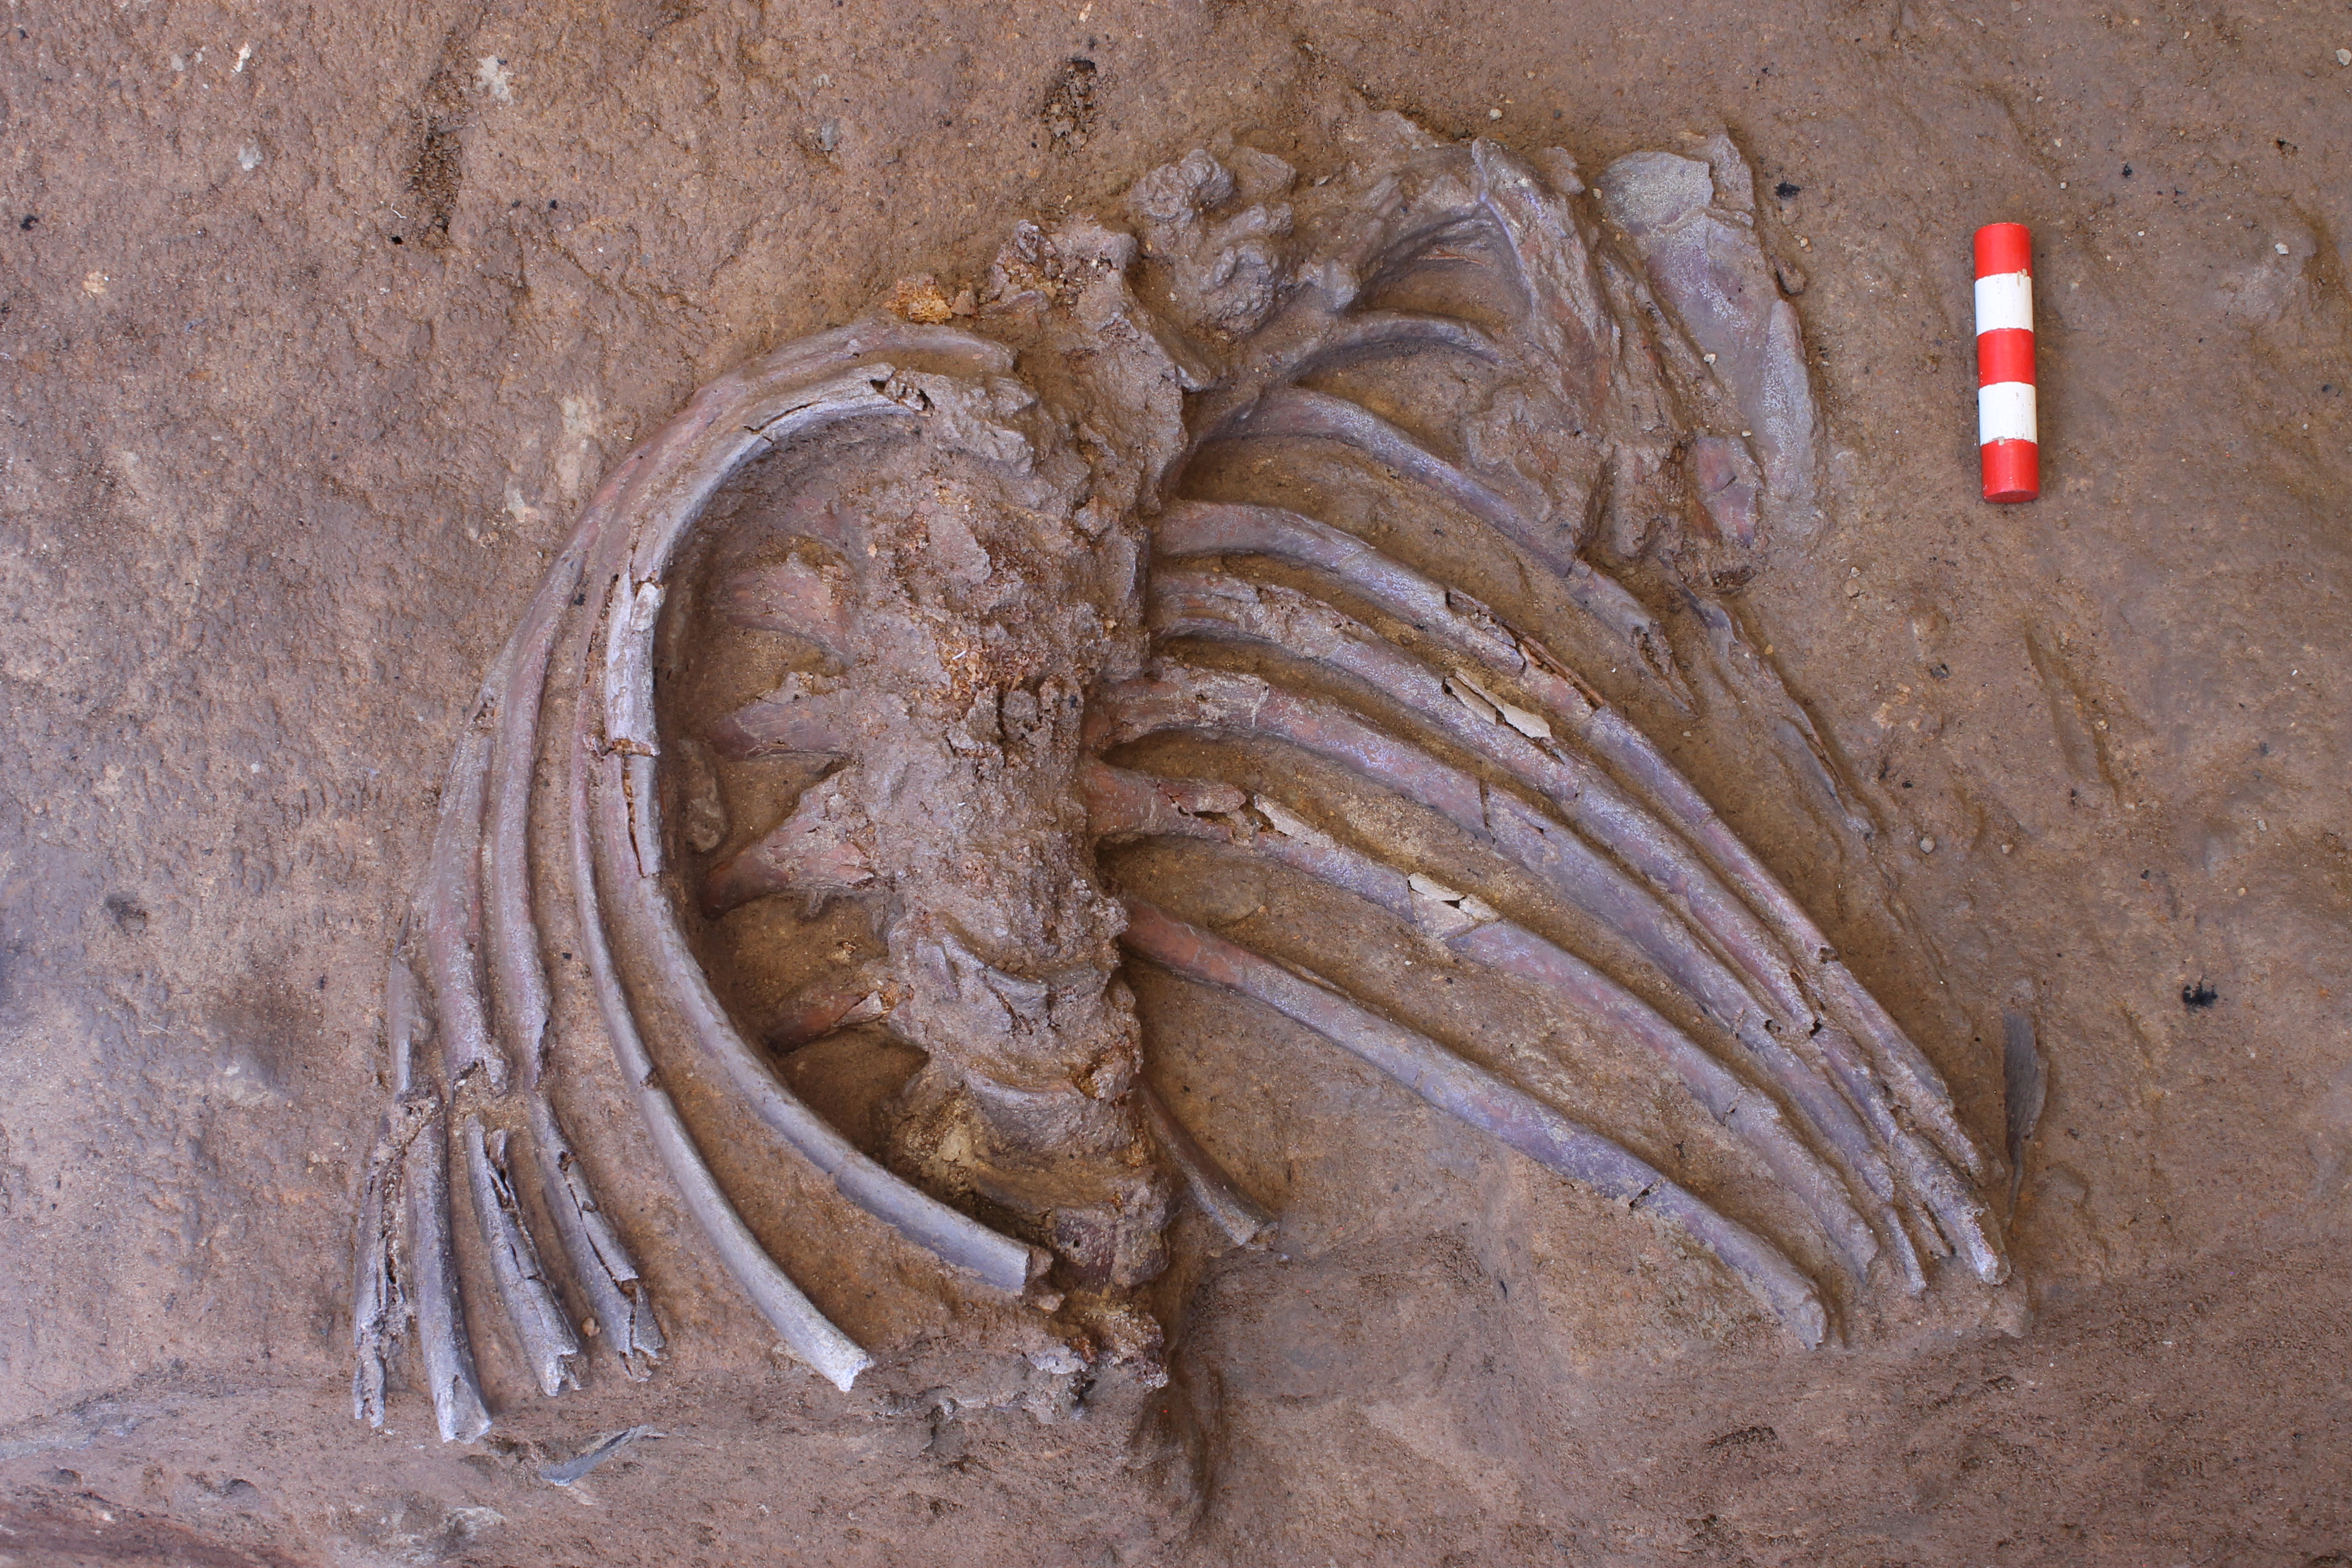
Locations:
(576, 1468)
(433, 1274)
(813, 852)
(795, 719)
(453, 905)
(380, 1305)
(549, 1343)
(1227, 1206)
(622, 1304)
(1484, 1102)
(406, 1025)
(795, 597)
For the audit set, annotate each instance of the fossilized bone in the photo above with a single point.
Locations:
(1220, 474)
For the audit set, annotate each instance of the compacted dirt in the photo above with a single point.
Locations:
(317, 327)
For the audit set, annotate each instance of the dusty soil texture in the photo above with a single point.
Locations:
(317, 326)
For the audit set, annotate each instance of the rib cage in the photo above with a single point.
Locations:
(1437, 367)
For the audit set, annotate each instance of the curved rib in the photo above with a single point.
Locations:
(644, 917)
(627, 816)
(1228, 1207)
(1192, 600)
(1312, 346)
(1227, 704)
(548, 1344)
(807, 1332)
(1477, 933)
(517, 973)
(1484, 1101)
(622, 1305)
(1296, 411)
(1470, 629)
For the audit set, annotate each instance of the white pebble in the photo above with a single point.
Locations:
(2344, 56)
(1494, 115)
(1926, 847)
(2279, 248)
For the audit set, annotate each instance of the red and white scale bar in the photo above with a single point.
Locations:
(2007, 433)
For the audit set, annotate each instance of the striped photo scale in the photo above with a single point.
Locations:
(2006, 429)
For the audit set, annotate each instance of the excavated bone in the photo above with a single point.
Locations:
(1320, 425)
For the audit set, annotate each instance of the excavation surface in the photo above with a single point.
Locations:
(315, 336)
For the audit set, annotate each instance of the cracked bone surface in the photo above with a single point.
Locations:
(824, 775)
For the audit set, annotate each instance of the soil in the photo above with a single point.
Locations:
(318, 327)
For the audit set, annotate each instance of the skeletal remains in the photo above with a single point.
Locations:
(935, 592)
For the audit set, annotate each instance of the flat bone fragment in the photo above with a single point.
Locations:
(813, 851)
(550, 1345)
(794, 597)
(1484, 1102)
(1691, 223)
(795, 719)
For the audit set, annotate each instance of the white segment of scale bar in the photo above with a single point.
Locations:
(2005, 412)
(2005, 300)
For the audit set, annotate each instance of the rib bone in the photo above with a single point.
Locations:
(1296, 411)
(1230, 1209)
(1173, 697)
(1472, 633)
(622, 1305)
(1484, 1102)
(805, 1331)
(549, 1343)
(1477, 932)
(433, 1268)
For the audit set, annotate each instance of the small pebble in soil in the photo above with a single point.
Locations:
(2281, 248)
(2344, 56)
(1926, 847)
